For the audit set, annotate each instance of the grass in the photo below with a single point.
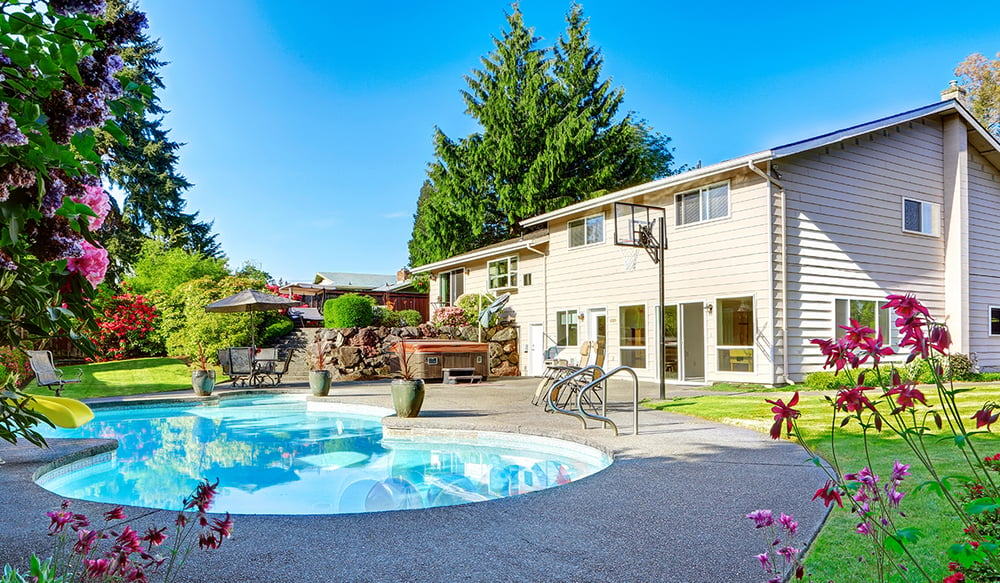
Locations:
(835, 553)
(125, 377)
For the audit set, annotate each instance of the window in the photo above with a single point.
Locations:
(632, 335)
(994, 320)
(566, 328)
(588, 231)
(735, 334)
(867, 313)
(921, 217)
(704, 204)
(451, 284)
(526, 279)
(503, 273)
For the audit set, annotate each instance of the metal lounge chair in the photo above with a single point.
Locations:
(46, 373)
(276, 368)
(224, 361)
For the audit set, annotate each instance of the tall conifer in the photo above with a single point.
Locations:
(550, 135)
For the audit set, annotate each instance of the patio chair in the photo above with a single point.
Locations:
(277, 368)
(241, 365)
(46, 373)
(224, 361)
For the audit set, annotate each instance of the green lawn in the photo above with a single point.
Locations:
(125, 377)
(836, 551)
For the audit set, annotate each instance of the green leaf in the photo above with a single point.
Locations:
(910, 534)
(931, 485)
(960, 440)
(980, 505)
(962, 553)
(116, 132)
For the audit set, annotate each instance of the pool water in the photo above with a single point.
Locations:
(278, 454)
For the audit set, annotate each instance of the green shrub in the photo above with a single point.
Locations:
(987, 377)
(959, 367)
(824, 380)
(473, 304)
(283, 325)
(385, 317)
(349, 311)
(411, 317)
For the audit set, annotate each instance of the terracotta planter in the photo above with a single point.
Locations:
(319, 382)
(407, 396)
(203, 382)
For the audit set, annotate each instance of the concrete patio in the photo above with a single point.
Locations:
(671, 508)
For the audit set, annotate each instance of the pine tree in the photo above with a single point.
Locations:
(549, 138)
(145, 167)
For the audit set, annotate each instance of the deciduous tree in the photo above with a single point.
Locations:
(981, 79)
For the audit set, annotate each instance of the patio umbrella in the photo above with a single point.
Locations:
(251, 300)
(491, 310)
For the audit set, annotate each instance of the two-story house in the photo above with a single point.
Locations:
(764, 253)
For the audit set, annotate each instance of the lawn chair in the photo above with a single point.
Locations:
(241, 365)
(46, 373)
(224, 361)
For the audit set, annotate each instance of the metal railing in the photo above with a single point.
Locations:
(581, 395)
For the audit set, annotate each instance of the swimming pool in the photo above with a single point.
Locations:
(282, 454)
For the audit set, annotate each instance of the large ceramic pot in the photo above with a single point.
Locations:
(319, 382)
(203, 382)
(407, 396)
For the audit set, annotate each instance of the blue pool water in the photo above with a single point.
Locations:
(278, 454)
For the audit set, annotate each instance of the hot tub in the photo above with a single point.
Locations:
(428, 358)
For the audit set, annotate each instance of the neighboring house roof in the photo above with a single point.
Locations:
(353, 281)
(979, 136)
(528, 240)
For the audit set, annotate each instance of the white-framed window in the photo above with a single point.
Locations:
(526, 279)
(566, 328)
(586, 231)
(921, 217)
(734, 321)
(632, 335)
(502, 273)
(867, 313)
(704, 204)
(994, 320)
(451, 284)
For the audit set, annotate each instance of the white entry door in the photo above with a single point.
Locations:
(535, 350)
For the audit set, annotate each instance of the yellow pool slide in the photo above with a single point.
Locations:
(63, 412)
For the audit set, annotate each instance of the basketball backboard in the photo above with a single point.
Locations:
(638, 225)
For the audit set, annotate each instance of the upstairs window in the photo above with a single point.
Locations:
(587, 231)
(705, 204)
(503, 273)
(921, 217)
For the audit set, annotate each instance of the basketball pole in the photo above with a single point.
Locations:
(659, 323)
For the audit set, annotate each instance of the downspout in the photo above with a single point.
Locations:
(783, 238)
(545, 286)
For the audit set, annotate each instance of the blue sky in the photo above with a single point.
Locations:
(308, 126)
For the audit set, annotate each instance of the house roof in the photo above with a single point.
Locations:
(353, 281)
(525, 241)
(979, 137)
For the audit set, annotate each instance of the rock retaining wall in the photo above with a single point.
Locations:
(364, 353)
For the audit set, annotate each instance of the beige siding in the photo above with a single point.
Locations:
(984, 258)
(714, 259)
(845, 237)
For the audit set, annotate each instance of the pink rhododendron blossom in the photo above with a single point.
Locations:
(98, 202)
(92, 266)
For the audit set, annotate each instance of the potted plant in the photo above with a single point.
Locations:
(407, 392)
(319, 377)
(202, 378)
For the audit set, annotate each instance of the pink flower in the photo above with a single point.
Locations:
(98, 202)
(783, 412)
(115, 514)
(905, 306)
(907, 394)
(93, 266)
(761, 518)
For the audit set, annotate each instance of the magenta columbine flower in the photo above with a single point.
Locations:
(761, 518)
(115, 514)
(899, 471)
(864, 528)
(788, 523)
(783, 412)
(765, 562)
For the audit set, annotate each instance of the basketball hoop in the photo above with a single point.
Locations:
(630, 257)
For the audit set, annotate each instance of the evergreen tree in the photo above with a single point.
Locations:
(550, 136)
(144, 166)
